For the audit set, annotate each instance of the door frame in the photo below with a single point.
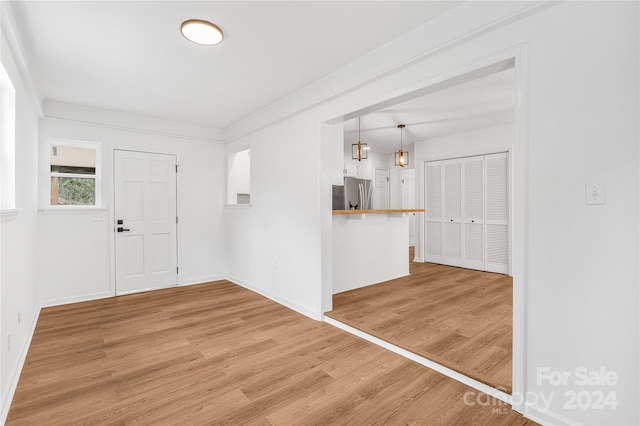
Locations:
(518, 55)
(112, 211)
(412, 216)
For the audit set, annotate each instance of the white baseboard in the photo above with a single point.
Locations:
(546, 417)
(14, 376)
(281, 300)
(204, 280)
(76, 299)
(418, 259)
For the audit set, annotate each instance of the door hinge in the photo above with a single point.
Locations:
(176, 168)
(176, 219)
(176, 269)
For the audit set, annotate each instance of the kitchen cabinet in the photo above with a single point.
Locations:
(359, 169)
(467, 212)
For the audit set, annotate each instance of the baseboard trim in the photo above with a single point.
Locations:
(203, 280)
(502, 396)
(546, 417)
(76, 299)
(418, 259)
(280, 300)
(12, 385)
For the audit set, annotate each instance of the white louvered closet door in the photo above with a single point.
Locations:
(473, 215)
(497, 213)
(452, 212)
(433, 214)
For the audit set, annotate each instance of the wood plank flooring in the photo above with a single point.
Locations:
(219, 354)
(457, 317)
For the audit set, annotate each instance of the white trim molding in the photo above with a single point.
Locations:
(202, 280)
(76, 299)
(7, 215)
(278, 299)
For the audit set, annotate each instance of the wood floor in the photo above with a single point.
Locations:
(219, 354)
(457, 317)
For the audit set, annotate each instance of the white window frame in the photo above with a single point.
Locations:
(47, 174)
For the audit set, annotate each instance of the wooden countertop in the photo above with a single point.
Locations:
(382, 211)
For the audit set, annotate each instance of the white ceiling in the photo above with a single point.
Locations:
(485, 102)
(129, 56)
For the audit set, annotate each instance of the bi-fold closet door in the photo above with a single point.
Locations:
(467, 212)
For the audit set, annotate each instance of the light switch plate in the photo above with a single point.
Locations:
(595, 193)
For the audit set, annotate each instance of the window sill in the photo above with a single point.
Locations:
(72, 210)
(238, 206)
(7, 215)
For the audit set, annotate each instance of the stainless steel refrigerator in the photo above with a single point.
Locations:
(358, 194)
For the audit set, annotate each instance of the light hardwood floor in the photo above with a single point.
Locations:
(219, 354)
(457, 317)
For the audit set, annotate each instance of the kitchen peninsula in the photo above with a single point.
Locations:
(371, 250)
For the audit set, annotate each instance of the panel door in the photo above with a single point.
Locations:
(497, 213)
(145, 202)
(381, 195)
(452, 212)
(433, 228)
(473, 213)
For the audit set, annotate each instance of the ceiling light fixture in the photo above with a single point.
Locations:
(402, 157)
(359, 150)
(201, 32)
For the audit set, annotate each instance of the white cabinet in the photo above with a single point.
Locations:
(350, 167)
(467, 212)
(359, 169)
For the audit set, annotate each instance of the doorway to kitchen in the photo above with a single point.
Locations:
(468, 321)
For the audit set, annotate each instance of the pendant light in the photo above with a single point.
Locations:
(402, 157)
(359, 150)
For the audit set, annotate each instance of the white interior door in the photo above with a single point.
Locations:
(433, 212)
(409, 202)
(473, 217)
(497, 213)
(381, 197)
(145, 204)
(453, 212)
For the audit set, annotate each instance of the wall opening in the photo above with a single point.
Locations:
(239, 177)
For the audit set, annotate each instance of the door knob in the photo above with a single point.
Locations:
(121, 229)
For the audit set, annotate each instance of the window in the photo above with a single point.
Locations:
(7, 142)
(239, 182)
(73, 174)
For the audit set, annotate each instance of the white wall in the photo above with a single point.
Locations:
(483, 141)
(18, 263)
(76, 236)
(274, 245)
(580, 273)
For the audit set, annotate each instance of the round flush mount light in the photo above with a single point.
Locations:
(201, 32)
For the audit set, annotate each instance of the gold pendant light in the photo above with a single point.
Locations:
(359, 150)
(402, 157)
